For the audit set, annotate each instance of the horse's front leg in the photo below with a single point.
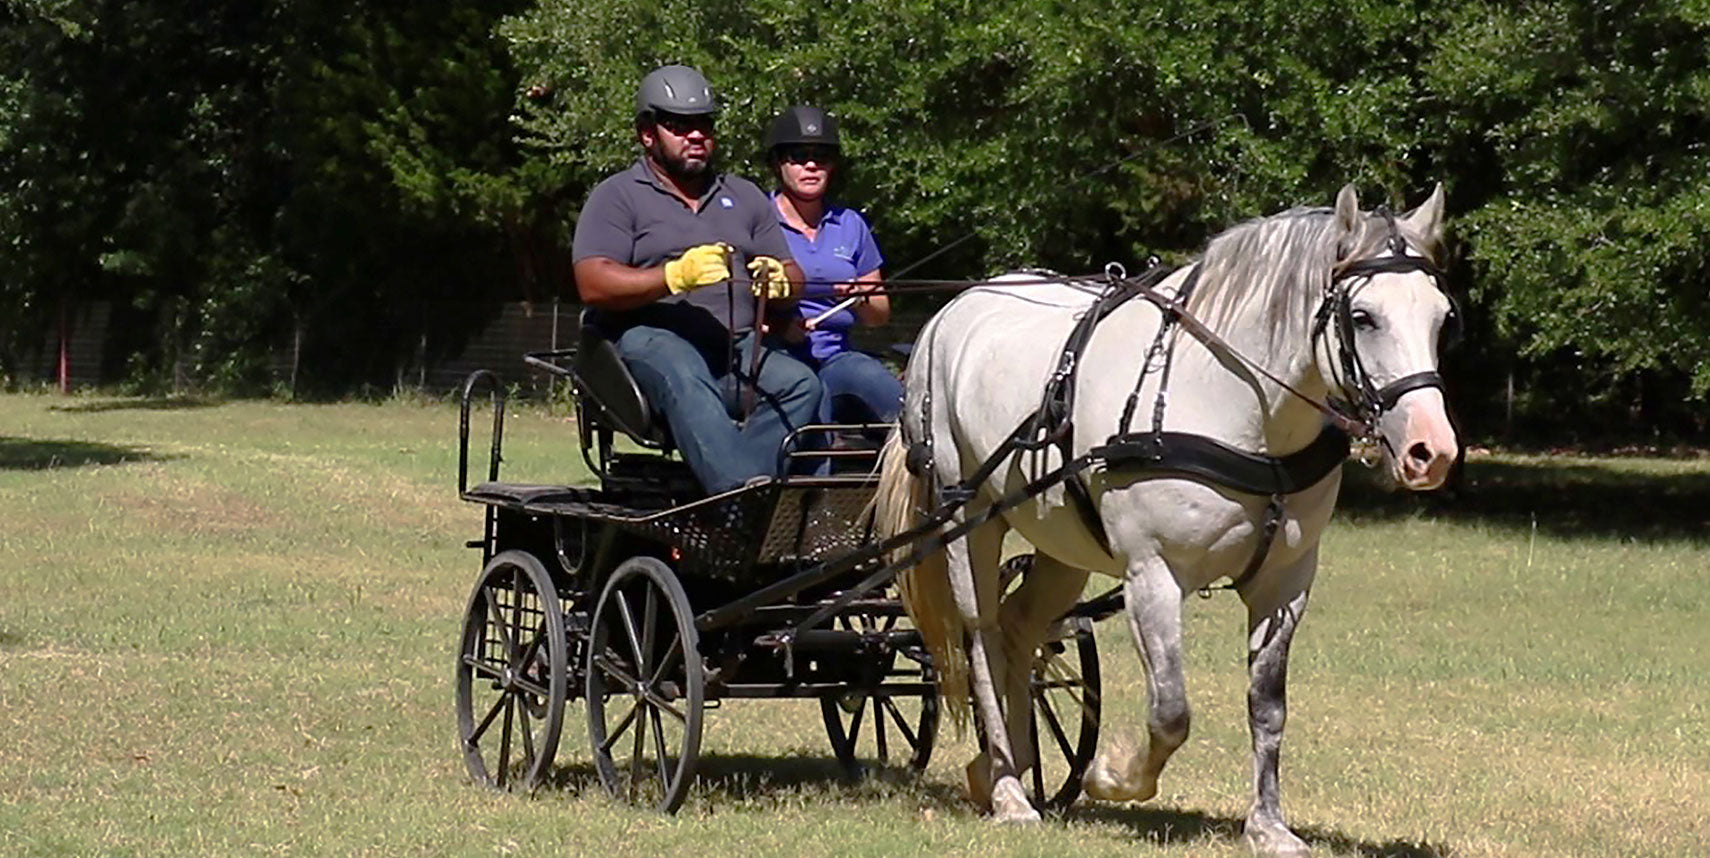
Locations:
(1274, 609)
(1154, 597)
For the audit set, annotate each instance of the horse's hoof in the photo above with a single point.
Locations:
(980, 782)
(1010, 805)
(1103, 784)
(1274, 842)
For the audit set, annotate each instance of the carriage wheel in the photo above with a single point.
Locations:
(644, 663)
(860, 722)
(511, 673)
(1066, 704)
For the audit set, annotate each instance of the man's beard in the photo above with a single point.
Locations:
(680, 167)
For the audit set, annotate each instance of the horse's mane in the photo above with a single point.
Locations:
(1285, 260)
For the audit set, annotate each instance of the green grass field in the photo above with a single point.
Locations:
(229, 629)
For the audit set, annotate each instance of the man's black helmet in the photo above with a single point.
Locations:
(674, 89)
(802, 124)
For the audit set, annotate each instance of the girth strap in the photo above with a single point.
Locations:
(1223, 465)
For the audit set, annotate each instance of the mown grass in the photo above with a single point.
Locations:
(228, 629)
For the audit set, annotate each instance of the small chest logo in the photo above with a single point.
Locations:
(726, 202)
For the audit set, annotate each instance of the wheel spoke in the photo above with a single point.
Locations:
(528, 757)
(631, 633)
(635, 753)
(855, 727)
(516, 611)
(659, 748)
(901, 722)
(482, 668)
(481, 728)
(879, 728)
(649, 624)
(1038, 761)
(611, 666)
(645, 694)
(669, 659)
(613, 736)
(840, 744)
(1042, 705)
(496, 616)
(533, 688)
(505, 741)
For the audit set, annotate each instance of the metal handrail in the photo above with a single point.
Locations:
(497, 397)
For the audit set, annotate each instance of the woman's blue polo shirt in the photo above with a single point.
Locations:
(841, 250)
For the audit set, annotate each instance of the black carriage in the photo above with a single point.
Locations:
(654, 602)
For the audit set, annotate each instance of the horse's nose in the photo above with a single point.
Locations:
(1425, 466)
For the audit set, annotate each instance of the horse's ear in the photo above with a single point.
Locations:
(1347, 207)
(1427, 220)
(1347, 215)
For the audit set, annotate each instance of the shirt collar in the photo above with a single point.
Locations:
(832, 216)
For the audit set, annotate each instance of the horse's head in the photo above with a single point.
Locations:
(1377, 331)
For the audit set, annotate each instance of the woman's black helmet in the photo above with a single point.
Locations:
(674, 89)
(802, 124)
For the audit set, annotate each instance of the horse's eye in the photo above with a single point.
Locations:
(1363, 320)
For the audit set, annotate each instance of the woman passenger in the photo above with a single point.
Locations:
(841, 262)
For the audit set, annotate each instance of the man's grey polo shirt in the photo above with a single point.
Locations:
(633, 219)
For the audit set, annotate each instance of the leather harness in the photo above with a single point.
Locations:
(1159, 452)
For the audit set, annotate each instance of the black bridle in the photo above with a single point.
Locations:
(1367, 401)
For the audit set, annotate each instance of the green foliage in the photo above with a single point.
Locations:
(1584, 124)
(233, 174)
(238, 175)
(989, 117)
(1569, 134)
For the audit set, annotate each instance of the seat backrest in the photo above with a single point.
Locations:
(610, 392)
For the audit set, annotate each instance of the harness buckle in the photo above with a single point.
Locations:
(918, 461)
(957, 495)
(1367, 451)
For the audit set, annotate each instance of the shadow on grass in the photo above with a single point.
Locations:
(755, 777)
(137, 403)
(1564, 499)
(1170, 826)
(40, 454)
(10, 640)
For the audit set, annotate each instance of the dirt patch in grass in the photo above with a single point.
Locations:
(194, 508)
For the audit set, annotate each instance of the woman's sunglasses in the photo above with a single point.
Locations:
(816, 154)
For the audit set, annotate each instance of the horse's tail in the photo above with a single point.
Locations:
(900, 504)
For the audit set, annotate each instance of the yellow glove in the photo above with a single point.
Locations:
(767, 274)
(702, 265)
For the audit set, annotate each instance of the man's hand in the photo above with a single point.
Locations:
(767, 275)
(702, 265)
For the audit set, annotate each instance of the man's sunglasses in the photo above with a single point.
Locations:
(816, 154)
(682, 126)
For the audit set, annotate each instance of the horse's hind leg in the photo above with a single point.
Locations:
(1047, 591)
(1154, 599)
(973, 570)
(1274, 608)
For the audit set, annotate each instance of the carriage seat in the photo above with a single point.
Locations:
(610, 394)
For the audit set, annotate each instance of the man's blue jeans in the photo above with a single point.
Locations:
(858, 389)
(701, 398)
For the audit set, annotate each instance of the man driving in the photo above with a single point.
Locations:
(654, 251)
